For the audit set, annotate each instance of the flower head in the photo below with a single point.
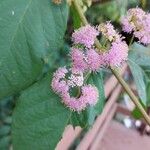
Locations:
(117, 54)
(107, 29)
(76, 78)
(78, 59)
(58, 84)
(87, 59)
(91, 94)
(93, 60)
(116, 51)
(138, 22)
(85, 35)
(63, 80)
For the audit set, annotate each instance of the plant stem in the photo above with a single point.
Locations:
(87, 76)
(80, 12)
(116, 74)
(131, 95)
(84, 20)
(131, 41)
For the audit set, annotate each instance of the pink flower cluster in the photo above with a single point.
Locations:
(90, 58)
(117, 53)
(64, 80)
(85, 57)
(85, 35)
(85, 60)
(107, 29)
(138, 22)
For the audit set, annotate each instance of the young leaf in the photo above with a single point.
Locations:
(39, 118)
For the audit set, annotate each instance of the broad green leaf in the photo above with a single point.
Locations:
(5, 143)
(39, 118)
(31, 32)
(139, 60)
(140, 54)
(87, 117)
(4, 130)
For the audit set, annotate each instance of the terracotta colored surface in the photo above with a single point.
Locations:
(103, 129)
(118, 137)
(69, 136)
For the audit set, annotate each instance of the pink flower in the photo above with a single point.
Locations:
(85, 35)
(64, 79)
(127, 26)
(133, 19)
(76, 104)
(138, 22)
(107, 29)
(76, 78)
(117, 54)
(116, 51)
(57, 84)
(93, 60)
(143, 34)
(78, 59)
(91, 94)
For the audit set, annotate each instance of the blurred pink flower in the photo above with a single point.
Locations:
(117, 54)
(93, 60)
(138, 22)
(63, 80)
(78, 59)
(85, 35)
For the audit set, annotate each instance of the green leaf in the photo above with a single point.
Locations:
(75, 17)
(148, 93)
(139, 60)
(139, 80)
(4, 130)
(31, 33)
(140, 55)
(87, 117)
(5, 143)
(39, 118)
(111, 10)
(136, 113)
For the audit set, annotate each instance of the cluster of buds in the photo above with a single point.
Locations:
(138, 22)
